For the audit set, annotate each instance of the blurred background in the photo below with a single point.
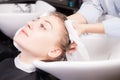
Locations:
(65, 6)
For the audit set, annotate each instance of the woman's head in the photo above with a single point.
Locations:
(45, 38)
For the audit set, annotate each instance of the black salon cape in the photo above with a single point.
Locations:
(8, 71)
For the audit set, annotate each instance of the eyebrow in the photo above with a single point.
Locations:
(49, 23)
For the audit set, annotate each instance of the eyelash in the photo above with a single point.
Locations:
(42, 26)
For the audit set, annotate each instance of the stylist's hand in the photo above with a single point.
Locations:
(80, 28)
(88, 28)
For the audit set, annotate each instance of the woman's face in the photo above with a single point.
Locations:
(40, 36)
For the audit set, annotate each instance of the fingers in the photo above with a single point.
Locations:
(78, 28)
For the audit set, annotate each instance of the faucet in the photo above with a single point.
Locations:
(26, 8)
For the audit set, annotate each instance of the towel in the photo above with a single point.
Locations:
(81, 49)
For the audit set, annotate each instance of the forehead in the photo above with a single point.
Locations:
(55, 21)
(52, 18)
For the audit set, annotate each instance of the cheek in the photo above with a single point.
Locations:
(40, 45)
(33, 45)
(36, 43)
(43, 38)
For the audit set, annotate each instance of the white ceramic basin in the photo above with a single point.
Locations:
(104, 61)
(99, 47)
(14, 16)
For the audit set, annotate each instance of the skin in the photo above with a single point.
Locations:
(77, 17)
(89, 28)
(82, 27)
(38, 39)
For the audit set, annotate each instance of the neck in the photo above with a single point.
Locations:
(24, 66)
(26, 58)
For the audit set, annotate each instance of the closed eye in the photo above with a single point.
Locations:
(42, 26)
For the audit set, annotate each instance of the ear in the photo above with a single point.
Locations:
(73, 48)
(55, 53)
